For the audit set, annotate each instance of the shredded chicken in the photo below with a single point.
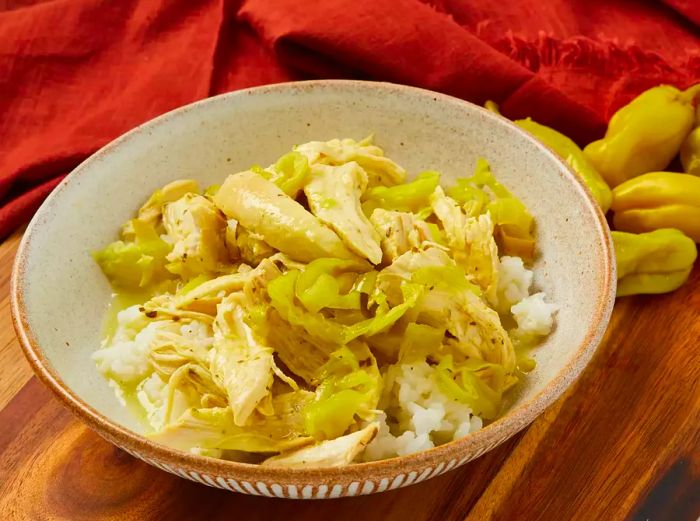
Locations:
(196, 228)
(244, 245)
(476, 327)
(401, 232)
(334, 197)
(471, 242)
(331, 453)
(214, 428)
(152, 210)
(264, 209)
(240, 363)
(382, 170)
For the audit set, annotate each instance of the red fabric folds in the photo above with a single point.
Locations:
(75, 74)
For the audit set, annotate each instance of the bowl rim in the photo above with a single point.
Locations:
(489, 436)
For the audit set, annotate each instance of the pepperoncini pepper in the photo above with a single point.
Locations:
(575, 158)
(513, 223)
(654, 262)
(658, 200)
(569, 152)
(644, 135)
(318, 286)
(690, 150)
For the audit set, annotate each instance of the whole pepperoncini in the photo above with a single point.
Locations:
(644, 135)
(574, 156)
(658, 200)
(690, 150)
(654, 262)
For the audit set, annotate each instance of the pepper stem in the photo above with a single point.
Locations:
(492, 106)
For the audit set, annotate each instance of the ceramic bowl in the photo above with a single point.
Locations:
(60, 295)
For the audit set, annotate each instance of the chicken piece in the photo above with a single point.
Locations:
(164, 306)
(255, 294)
(211, 288)
(214, 428)
(381, 170)
(167, 359)
(390, 278)
(483, 254)
(411, 261)
(152, 210)
(240, 363)
(253, 249)
(476, 328)
(166, 400)
(246, 246)
(159, 306)
(179, 345)
(196, 229)
(334, 197)
(301, 352)
(205, 297)
(401, 232)
(471, 241)
(331, 453)
(280, 259)
(264, 209)
(255, 286)
(196, 388)
(230, 235)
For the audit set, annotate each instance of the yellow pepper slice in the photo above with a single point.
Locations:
(644, 135)
(511, 241)
(654, 262)
(658, 200)
(318, 286)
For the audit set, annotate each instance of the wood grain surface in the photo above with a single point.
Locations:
(623, 443)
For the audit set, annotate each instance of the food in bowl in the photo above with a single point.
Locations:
(322, 310)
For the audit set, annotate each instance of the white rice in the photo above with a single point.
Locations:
(129, 322)
(126, 360)
(514, 281)
(534, 316)
(422, 415)
(152, 394)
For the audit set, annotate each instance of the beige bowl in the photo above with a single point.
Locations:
(60, 296)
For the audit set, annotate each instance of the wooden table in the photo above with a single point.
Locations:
(623, 443)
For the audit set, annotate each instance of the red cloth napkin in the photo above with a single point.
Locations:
(75, 74)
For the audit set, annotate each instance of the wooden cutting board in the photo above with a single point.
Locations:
(623, 443)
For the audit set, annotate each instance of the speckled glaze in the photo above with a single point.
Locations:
(60, 296)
